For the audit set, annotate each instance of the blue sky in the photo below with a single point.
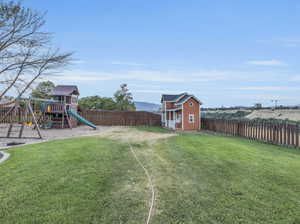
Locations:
(224, 52)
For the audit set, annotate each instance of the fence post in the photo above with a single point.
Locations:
(293, 135)
(263, 131)
(271, 132)
(297, 135)
(285, 134)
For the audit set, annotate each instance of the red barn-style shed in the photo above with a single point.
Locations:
(181, 112)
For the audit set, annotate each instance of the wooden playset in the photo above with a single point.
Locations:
(58, 112)
(65, 99)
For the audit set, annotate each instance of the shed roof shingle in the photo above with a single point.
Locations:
(178, 99)
(171, 98)
(183, 99)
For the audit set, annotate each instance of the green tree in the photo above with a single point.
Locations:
(108, 103)
(97, 102)
(124, 99)
(43, 90)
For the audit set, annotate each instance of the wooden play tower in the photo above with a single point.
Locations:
(66, 99)
(58, 112)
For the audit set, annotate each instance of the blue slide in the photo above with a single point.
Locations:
(81, 119)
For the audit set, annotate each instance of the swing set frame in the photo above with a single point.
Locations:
(15, 109)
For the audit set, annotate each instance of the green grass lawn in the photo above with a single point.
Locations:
(199, 178)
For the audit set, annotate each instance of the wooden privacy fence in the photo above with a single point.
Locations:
(276, 133)
(122, 118)
(19, 115)
(107, 118)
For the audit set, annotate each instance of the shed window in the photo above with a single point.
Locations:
(191, 118)
(191, 104)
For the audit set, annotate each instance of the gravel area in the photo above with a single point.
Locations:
(1, 155)
(48, 134)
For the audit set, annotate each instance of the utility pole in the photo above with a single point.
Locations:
(275, 103)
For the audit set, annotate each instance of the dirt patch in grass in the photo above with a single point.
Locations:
(141, 144)
(131, 135)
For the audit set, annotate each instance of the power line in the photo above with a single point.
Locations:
(275, 102)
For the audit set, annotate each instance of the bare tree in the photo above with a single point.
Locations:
(25, 51)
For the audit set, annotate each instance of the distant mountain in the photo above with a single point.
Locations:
(144, 106)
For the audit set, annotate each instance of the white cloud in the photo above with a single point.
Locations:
(148, 85)
(204, 79)
(265, 88)
(266, 63)
(79, 62)
(267, 97)
(295, 78)
(150, 91)
(212, 85)
(148, 75)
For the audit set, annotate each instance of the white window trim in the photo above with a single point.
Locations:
(165, 104)
(192, 121)
(199, 117)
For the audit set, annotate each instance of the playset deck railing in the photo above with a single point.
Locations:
(55, 107)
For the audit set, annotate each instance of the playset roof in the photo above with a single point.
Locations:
(65, 90)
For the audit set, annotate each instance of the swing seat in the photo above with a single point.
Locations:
(28, 124)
